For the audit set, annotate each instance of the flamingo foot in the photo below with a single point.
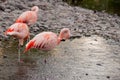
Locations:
(20, 61)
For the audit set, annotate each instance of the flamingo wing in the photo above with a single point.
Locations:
(18, 29)
(11, 30)
(22, 17)
(29, 17)
(43, 41)
(46, 41)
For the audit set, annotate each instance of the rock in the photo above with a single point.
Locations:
(7, 10)
(4, 56)
(2, 8)
(20, 7)
(36, 29)
(87, 35)
(99, 64)
(108, 77)
(86, 74)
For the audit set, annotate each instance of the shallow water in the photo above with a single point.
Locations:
(110, 6)
(86, 58)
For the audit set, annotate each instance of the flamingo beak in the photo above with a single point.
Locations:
(63, 40)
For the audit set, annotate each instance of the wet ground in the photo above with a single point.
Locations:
(85, 58)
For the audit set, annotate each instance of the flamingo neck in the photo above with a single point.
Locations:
(35, 9)
(59, 40)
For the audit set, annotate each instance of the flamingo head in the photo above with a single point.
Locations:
(35, 8)
(64, 34)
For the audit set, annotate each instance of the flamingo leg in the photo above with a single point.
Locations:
(27, 42)
(28, 39)
(19, 53)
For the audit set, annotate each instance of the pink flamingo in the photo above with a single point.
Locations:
(47, 40)
(20, 31)
(29, 17)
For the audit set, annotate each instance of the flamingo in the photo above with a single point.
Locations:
(20, 31)
(28, 17)
(47, 40)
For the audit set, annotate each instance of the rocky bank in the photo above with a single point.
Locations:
(55, 14)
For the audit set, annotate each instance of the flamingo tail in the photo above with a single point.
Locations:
(29, 45)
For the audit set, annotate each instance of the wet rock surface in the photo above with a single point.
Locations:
(93, 59)
(87, 58)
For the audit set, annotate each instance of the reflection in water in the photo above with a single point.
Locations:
(80, 59)
(111, 6)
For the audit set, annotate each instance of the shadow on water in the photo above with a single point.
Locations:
(84, 58)
(110, 6)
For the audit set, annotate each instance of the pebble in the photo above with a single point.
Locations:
(4, 56)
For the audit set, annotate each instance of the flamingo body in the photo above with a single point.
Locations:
(29, 17)
(47, 40)
(18, 30)
(43, 41)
